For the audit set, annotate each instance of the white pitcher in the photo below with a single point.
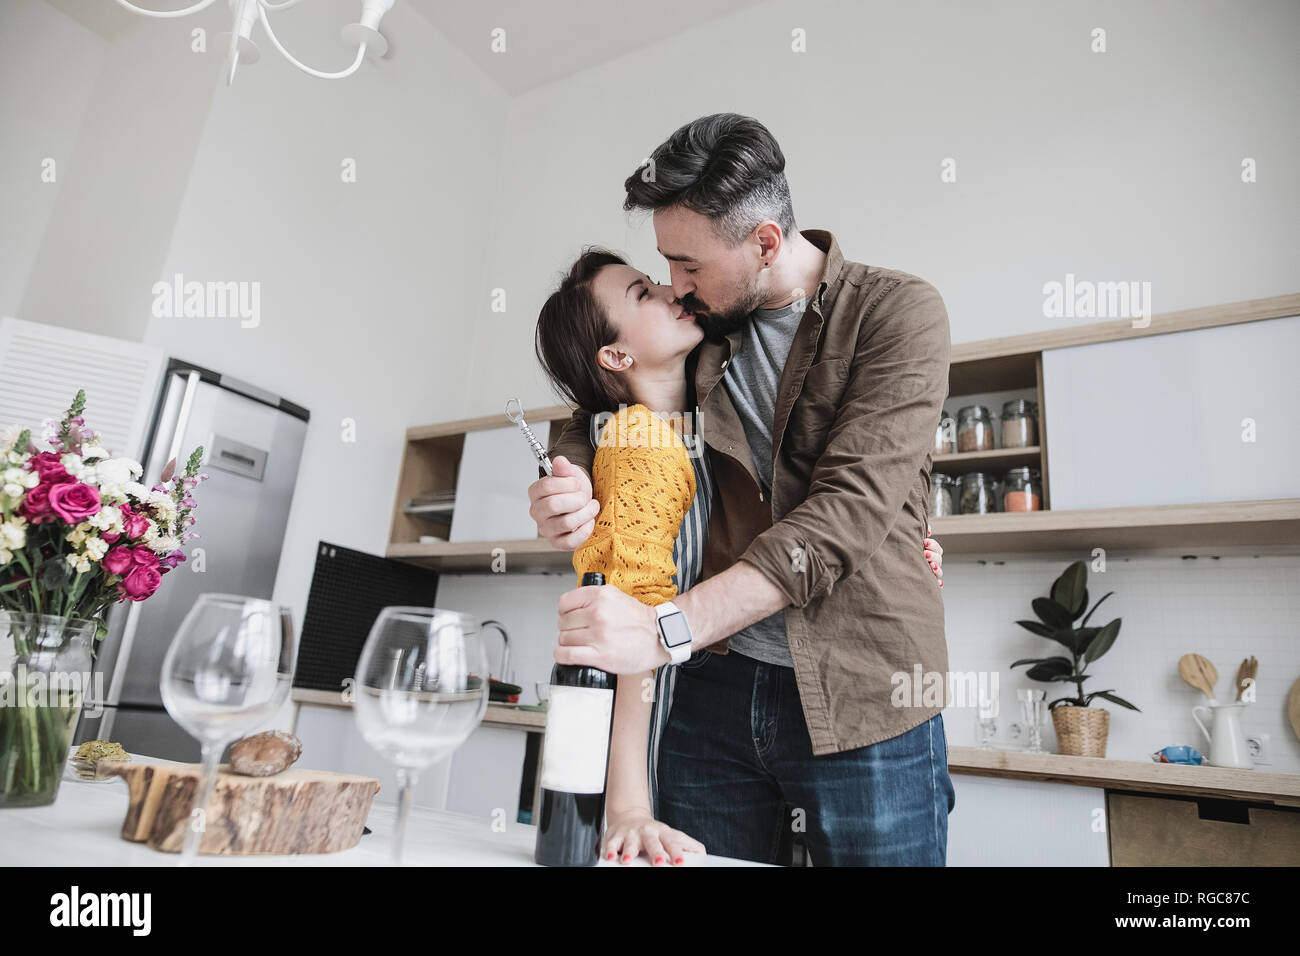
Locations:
(1227, 740)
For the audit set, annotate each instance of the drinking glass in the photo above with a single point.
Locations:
(421, 689)
(228, 670)
(987, 716)
(1031, 710)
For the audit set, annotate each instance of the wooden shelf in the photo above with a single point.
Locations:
(528, 554)
(996, 460)
(1231, 527)
(1177, 779)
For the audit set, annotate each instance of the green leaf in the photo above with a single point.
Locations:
(1029, 660)
(1050, 612)
(1069, 588)
(1066, 636)
(1102, 642)
(1095, 606)
(1042, 630)
(1114, 699)
(1083, 606)
(1050, 669)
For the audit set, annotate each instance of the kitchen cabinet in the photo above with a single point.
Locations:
(1200, 416)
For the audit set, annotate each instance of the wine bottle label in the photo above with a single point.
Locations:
(577, 739)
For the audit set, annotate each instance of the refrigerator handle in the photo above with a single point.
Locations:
(192, 380)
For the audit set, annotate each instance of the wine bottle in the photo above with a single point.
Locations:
(575, 757)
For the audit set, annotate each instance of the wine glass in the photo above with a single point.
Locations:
(227, 671)
(421, 689)
(1031, 711)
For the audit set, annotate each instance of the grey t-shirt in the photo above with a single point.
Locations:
(751, 381)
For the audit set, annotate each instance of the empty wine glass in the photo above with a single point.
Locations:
(421, 688)
(986, 714)
(228, 670)
(1031, 710)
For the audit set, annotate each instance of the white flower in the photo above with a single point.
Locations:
(5, 556)
(75, 536)
(93, 451)
(165, 543)
(135, 490)
(151, 531)
(108, 518)
(79, 562)
(163, 503)
(13, 490)
(119, 471)
(13, 533)
(96, 548)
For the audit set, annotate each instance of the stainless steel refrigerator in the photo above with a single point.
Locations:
(252, 443)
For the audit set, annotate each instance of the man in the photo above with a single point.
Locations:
(817, 389)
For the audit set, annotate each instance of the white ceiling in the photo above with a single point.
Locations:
(545, 39)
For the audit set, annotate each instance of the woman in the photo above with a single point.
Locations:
(615, 343)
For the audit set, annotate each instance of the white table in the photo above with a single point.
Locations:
(84, 827)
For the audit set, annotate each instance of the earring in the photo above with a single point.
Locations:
(627, 360)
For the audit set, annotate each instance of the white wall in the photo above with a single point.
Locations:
(1115, 166)
(48, 65)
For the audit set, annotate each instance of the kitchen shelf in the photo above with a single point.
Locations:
(526, 554)
(1282, 789)
(1270, 526)
(995, 459)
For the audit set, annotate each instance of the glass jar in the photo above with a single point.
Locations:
(977, 494)
(974, 429)
(1019, 423)
(941, 495)
(1022, 490)
(945, 436)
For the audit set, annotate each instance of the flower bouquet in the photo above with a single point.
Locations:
(78, 533)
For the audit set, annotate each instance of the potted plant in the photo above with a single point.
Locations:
(1081, 729)
(78, 532)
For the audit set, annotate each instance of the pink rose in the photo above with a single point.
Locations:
(47, 465)
(73, 502)
(117, 561)
(140, 583)
(135, 525)
(36, 505)
(110, 536)
(143, 557)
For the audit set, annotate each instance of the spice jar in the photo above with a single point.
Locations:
(945, 436)
(1023, 490)
(977, 494)
(1019, 423)
(974, 429)
(941, 495)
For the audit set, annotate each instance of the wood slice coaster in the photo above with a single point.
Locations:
(295, 811)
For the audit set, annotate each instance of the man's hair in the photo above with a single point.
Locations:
(572, 328)
(724, 166)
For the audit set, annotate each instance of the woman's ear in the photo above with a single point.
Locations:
(613, 358)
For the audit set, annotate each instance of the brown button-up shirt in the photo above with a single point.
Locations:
(858, 403)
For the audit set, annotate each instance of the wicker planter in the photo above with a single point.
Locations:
(1081, 731)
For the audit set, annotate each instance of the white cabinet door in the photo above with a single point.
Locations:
(1006, 822)
(1199, 416)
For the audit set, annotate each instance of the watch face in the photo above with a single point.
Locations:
(675, 630)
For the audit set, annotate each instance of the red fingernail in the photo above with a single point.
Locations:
(626, 858)
(659, 859)
(610, 857)
(680, 860)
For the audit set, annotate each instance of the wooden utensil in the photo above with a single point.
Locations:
(1200, 673)
(1293, 707)
(1246, 673)
(294, 811)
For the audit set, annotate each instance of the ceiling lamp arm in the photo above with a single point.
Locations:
(168, 14)
(266, 25)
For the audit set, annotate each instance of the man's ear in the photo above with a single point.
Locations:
(613, 358)
(768, 236)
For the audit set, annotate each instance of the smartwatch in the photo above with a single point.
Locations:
(674, 633)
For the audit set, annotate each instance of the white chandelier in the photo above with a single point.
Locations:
(247, 13)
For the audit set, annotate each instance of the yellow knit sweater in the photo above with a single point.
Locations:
(645, 483)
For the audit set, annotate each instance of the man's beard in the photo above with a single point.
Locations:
(718, 325)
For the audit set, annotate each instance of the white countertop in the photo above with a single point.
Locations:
(83, 827)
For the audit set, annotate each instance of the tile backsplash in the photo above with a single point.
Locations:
(1225, 609)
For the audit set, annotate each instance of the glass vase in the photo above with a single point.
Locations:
(45, 664)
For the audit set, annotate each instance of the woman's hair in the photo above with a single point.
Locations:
(571, 329)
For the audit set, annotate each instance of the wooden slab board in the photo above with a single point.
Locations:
(295, 811)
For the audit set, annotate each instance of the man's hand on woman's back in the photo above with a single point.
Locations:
(562, 505)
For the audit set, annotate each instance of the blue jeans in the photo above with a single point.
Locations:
(737, 772)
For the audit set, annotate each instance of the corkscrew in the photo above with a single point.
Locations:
(517, 416)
